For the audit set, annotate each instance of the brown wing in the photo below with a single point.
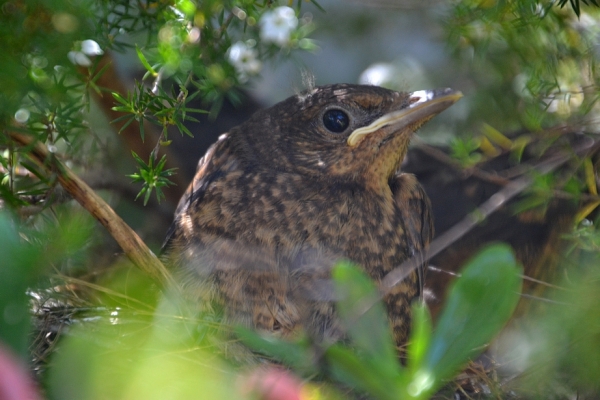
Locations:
(216, 266)
(414, 205)
(210, 168)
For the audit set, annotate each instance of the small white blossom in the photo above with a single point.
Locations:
(91, 48)
(398, 75)
(22, 115)
(244, 59)
(377, 74)
(277, 25)
(87, 48)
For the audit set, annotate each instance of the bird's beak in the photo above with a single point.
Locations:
(424, 104)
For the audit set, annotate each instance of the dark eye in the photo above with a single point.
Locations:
(336, 120)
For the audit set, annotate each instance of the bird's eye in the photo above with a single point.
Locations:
(336, 120)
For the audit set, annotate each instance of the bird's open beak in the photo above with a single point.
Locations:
(424, 104)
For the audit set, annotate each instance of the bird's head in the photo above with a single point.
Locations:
(342, 132)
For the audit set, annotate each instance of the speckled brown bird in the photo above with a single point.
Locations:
(277, 200)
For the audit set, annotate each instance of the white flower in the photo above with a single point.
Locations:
(377, 74)
(397, 75)
(91, 48)
(22, 115)
(244, 59)
(277, 25)
(88, 48)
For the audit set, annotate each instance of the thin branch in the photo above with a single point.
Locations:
(544, 300)
(446, 159)
(133, 247)
(223, 28)
(180, 99)
(523, 276)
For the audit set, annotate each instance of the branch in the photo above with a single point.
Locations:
(133, 247)
(446, 159)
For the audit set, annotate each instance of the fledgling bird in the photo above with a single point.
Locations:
(279, 199)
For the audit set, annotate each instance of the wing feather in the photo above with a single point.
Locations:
(415, 209)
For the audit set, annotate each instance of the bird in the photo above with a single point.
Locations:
(279, 199)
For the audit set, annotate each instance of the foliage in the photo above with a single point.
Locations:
(534, 62)
(153, 176)
(535, 58)
(137, 353)
(538, 63)
(577, 5)
(489, 281)
(556, 351)
(26, 256)
(571, 328)
(52, 65)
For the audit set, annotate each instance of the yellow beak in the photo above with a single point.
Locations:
(424, 104)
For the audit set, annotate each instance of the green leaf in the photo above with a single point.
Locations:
(99, 73)
(294, 354)
(142, 129)
(153, 177)
(120, 99)
(138, 159)
(368, 327)
(121, 109)
(33, 168)
(20, 263)
(145, 62)
(347, 367)
(147, 196)
(479, 304)
(195, 110)
(183, 129)
(420, 336)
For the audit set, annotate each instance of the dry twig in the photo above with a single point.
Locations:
(133, 247)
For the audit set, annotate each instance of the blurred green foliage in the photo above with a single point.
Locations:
(27, 256)
(491, 281)
(536, 60)
(576, 4)
(19, 271)
(571, 328)
(534, 63)
(556, 351)
(154, 176)
(51, 65)
(127, 360)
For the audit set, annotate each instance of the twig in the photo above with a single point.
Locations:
(180, 99)
(523, 276)
(133, 247)
(446, 159)
(544, 300)
(219, 33)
